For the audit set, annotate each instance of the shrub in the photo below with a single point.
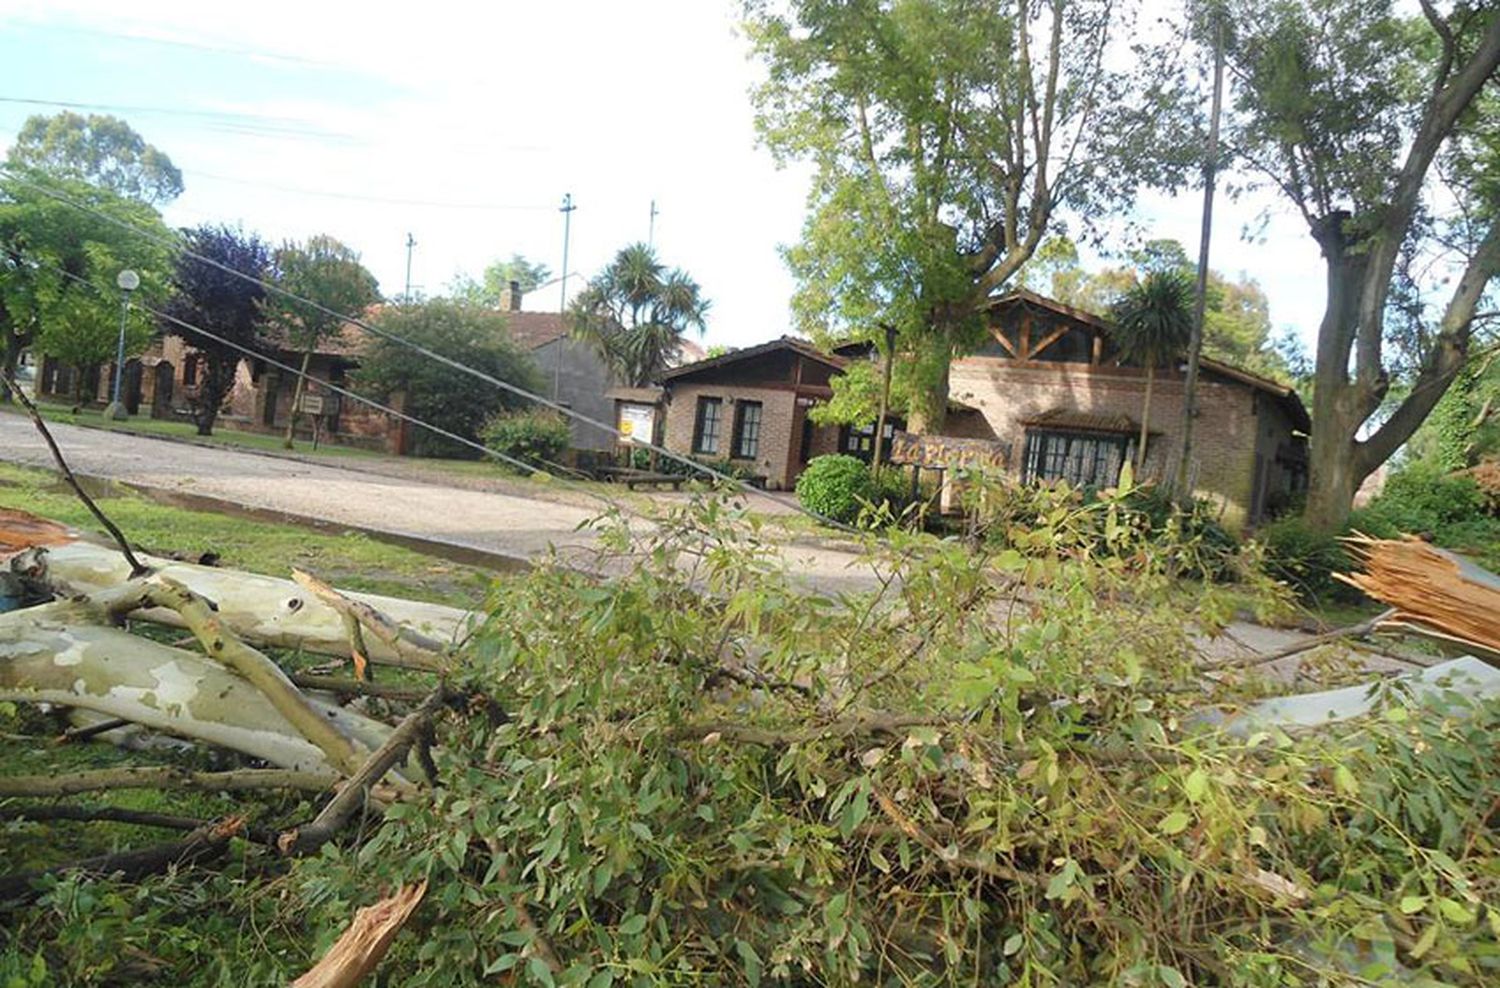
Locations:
(836, 487)
(1305, 559)
(1421, 498)
(536, 438)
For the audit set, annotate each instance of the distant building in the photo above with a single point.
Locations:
(1048, 388)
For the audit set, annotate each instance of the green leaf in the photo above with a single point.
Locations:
(1196, 785)
(1174, 823)
(602, 979)
(1424, 942)
(633, 925)
(1413, 904)
(1456, 912)
(1013, 943)
(751, 961)
(1344, 782)
(539, 971)
(502, 963)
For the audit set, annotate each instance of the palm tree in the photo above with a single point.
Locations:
(635, 313)
(1153, 322)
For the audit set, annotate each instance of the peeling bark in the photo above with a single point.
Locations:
(56, 654)
(264, 610)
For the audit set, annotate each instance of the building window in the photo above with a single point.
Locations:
(859, 440)
(708, 426)
(190, 370)
(746, 430)
(1083, 459)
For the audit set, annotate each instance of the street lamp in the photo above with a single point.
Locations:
(128, 281)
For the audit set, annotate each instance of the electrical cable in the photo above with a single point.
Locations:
(363, 399)
(723, 478)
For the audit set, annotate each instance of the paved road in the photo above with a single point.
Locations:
(423, 508)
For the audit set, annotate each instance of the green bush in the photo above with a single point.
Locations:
(836, 487)
(1450, 509)
(536, 438)
(1305, 559)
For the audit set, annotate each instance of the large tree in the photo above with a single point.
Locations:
(435, 392)
(636, 313)
(58, 265)
(322, 284)
(496, 279)
(206, 296)
(949, 138)
(100, 150)
(1365, 120)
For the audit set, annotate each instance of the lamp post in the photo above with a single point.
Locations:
(128, 281)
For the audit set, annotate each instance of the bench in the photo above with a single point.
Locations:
(633, 478)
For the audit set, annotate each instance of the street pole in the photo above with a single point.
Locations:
(885, 401)
(128, 281)
(562, 306)
(1180, 483)
(651, 227)
(410, 243)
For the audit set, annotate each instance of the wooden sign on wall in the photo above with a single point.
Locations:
(948, 451)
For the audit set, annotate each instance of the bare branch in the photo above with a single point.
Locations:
(160, 777)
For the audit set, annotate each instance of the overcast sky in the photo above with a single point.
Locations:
(465, 124)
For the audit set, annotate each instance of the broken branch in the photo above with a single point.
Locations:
(357, 614)
(160, 777)
(359, 949)
(136, 567)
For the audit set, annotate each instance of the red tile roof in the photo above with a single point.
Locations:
(535, 329)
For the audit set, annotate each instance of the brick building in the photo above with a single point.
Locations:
(1048, 387)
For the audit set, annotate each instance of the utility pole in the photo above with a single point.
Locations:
(562, 306)
(885, 401)
(410, 243)
(1200, 302)
(651, 228)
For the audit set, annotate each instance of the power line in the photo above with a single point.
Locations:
(687, 461)
(363, 399)
(356, 197)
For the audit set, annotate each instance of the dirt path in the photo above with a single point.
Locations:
(417, 507)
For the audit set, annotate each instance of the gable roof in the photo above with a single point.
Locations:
(790, 343)
(535, 329)
(1286, 395)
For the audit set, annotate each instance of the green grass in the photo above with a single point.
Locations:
(346, 559)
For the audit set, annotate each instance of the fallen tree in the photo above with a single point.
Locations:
(980, 773)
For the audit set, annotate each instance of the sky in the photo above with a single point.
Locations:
(465, 124)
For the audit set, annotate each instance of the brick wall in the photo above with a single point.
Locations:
(1226, 438)
(780, 458)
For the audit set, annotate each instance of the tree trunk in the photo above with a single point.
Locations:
(261, 609)
(291, 417)
(1140, 446)
(55, 654)
(10, 359)
(929, 404)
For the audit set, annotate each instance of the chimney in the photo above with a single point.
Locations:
(510, 297)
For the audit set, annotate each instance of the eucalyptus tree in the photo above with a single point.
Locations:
(1153, 325)
(949, 137)
(1381, 130)
(98, 149)
(636, 312)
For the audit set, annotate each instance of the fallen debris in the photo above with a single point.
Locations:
(357, 952)
(1431, 592)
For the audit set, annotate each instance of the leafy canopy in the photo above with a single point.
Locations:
(1154, 319)
(496, 278)
(59, 264)
(948, 137)
(330, 284)
(99, 150)
(435, 392)
(204, 295)
(636, 312)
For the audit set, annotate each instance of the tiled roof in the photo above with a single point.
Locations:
(1071, 418)
(792, 343)
(535, 329)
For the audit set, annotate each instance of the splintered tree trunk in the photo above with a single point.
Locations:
(58, 653)
(291, 417)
